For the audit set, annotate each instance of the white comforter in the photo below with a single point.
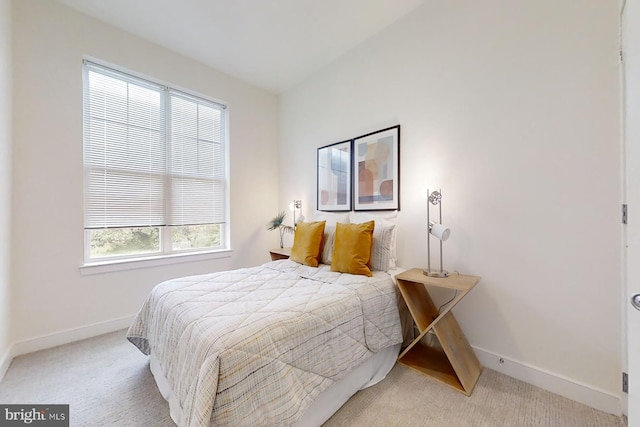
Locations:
(255, 346)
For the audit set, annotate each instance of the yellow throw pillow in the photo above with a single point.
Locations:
(307, 243)
(352, 248)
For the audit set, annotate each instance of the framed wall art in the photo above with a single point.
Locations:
(376, 166)
(334, 177)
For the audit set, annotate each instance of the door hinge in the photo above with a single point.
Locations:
(625, 382)
(624, 213)
(621, 56)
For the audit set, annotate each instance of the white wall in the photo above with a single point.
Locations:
(5, 181)
(51, 296)
(512, 108)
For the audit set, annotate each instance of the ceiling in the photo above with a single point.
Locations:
(273, 44)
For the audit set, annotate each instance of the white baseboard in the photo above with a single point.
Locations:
(59, 338)
(588, 395)
(5, 361)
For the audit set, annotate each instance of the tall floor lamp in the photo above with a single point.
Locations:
(437, 230)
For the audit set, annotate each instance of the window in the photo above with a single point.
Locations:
(155, 168)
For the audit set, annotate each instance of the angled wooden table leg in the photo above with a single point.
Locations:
(455, 363)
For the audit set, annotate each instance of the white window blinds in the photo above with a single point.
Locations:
(153, 156)
(197, 161)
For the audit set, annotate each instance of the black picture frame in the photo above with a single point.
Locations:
(376, 170)
(334, 176)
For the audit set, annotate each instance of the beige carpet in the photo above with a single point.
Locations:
(107, 382)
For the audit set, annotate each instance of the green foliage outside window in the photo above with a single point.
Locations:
(124, 241)
(145, 240)
(195, 236)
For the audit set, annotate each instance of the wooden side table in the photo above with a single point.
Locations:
(280, 253)
(455, 364)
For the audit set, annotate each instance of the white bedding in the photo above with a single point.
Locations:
(256, 346)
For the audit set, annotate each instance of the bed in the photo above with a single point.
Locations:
(283, 343)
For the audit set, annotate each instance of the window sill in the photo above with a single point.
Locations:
(156, 261)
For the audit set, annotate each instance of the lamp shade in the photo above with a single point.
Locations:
(439, 231)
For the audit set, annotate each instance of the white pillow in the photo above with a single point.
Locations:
(383, 253)
(359, 217)
(383, 237)
(331, 218)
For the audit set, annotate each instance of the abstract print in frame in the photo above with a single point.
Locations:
(334, 177)
(376, 165)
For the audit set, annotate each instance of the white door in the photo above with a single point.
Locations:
(631, 48)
